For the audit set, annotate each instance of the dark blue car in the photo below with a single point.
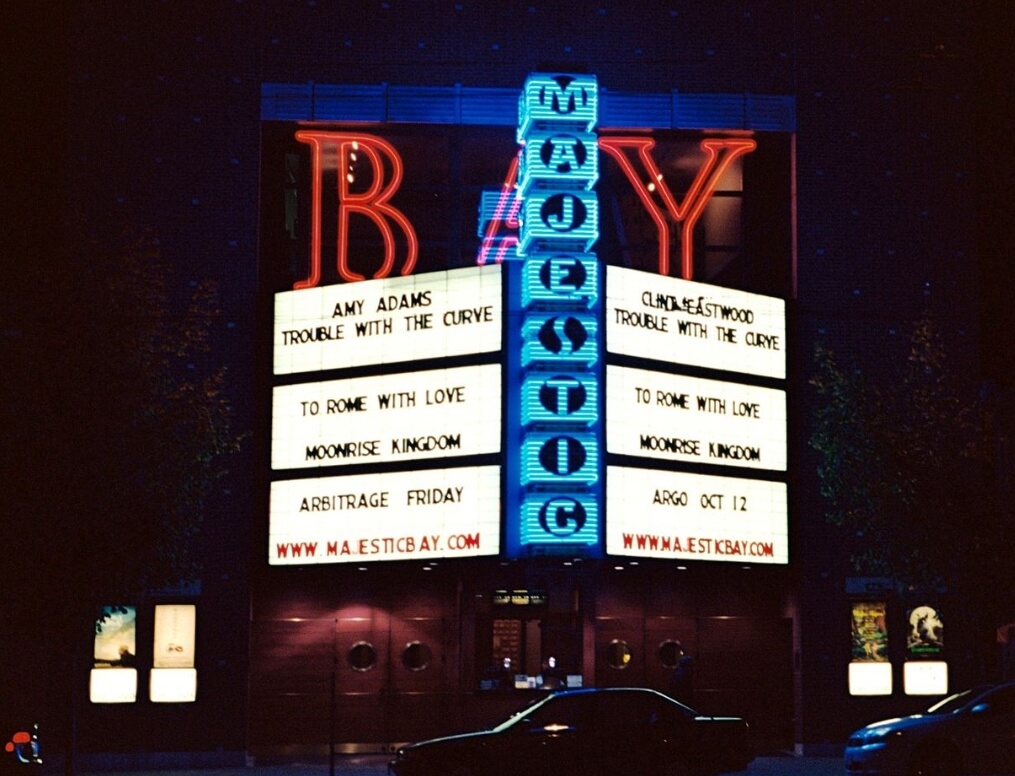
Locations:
(972, 731)
(591, 731)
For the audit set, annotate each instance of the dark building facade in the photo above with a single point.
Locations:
(183, 119)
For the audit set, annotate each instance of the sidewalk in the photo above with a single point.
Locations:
(377, 765)
(796, 766)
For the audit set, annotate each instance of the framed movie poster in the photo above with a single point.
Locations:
(870, 672)
(114, 666)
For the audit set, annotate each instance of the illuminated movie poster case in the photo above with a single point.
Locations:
(926, 638)
(925, 671)
(173, 676)
(114, 669)
(870, 671)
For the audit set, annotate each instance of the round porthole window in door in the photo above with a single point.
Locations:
(362, 656)
(670, 652)
(618, 654)
(416, 656)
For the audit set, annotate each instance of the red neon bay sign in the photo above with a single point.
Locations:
(372, 203)
(633, 153)
(720, 155)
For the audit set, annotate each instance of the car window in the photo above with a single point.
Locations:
(522, 714)
(952, 703)
(563, 711)
(1002, 700)
(621, 710)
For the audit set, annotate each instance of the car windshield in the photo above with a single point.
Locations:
(953, 703)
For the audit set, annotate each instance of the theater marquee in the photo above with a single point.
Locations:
(480, 347)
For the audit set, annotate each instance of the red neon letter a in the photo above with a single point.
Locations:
(372, 203)
(505, 217)
(686, 213)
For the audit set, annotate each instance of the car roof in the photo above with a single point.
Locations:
(980, 689)
(593, 690)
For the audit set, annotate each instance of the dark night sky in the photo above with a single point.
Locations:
(42, 62)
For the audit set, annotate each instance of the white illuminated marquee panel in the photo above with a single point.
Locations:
(430, 315)
(678, 418)
(397, 417)
(674, 320)
(441, 513)
(680, 515)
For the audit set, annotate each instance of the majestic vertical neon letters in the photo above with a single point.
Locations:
(559, 441)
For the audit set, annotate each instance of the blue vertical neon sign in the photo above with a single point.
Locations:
(555, 477)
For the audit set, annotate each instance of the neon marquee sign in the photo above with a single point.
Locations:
(560, 217)
(341, 150)
(720, 155)
(579, 344)
(559, 440)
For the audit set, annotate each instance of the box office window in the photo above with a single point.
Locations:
(538, 650)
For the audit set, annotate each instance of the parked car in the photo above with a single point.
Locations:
(589, 731)
(970, 732)
(20, 752)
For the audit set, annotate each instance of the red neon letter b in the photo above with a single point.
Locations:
(372, 203)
